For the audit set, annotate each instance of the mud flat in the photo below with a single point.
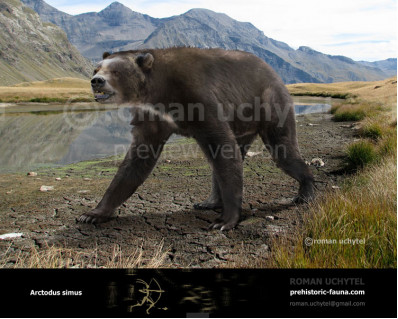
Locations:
(159, 216)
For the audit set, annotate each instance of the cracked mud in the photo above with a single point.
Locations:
(160, 214)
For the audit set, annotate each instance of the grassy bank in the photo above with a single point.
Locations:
(59, 90)
(354, 226)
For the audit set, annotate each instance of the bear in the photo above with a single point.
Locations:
(223, 99)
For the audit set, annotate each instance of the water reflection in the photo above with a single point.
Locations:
(33, 139)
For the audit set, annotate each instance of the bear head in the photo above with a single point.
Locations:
(121, 77)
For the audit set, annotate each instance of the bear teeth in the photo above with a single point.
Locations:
(102, 96)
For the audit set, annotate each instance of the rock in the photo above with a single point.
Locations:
(32, 174)
(251, 154)
(308, 163)
(317, 162)
(45, 188)
(83, 191)
(11, 235)
(270, 217)
(168, 161)
(58, 178)
(9, 192)
(335, 187)
(87, 179)
(310, 124)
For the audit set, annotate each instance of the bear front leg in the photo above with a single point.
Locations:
(137, 165)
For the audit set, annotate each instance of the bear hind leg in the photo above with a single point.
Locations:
(285, 152)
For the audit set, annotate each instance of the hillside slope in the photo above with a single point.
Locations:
(33, 50)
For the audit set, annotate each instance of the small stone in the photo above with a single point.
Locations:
(84, 191)
(32, 174)
(251, 154)
(11, 235)
(317, 162)
(58, 178)
(9, 192)
(87, 179)
(335, 187)
(308, 163)
(310, 124)
(270, 217)
(45, 188)
(168, 161)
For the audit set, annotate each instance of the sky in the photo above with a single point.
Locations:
(364, 30)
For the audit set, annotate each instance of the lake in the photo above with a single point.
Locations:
(42, 135)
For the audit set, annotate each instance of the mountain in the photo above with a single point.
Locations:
(119, 28)
(389, 66)
(113, 29)
(33, 50)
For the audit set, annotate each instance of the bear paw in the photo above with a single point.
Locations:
(96, 216)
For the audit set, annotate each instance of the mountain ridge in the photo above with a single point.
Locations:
(118, 28)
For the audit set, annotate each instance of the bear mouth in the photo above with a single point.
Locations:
(103, 96)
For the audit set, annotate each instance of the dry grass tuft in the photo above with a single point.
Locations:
(58, 257)
(364, 209)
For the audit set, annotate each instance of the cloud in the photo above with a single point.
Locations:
(313, 23)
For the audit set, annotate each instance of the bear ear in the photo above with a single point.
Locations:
(105, 55)
(145, 61)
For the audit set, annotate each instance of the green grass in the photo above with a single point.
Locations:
(372, 130)
(59, 100)
(348, 112)
(349, 116)
(325, 94)
(388, 145)
(360, 154)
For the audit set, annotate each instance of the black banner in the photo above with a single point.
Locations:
(199, 293)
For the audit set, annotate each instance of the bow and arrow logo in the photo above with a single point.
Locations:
(152, 292)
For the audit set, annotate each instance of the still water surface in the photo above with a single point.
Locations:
(33, 136)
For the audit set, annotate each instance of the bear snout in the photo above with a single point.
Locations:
(97, 83)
